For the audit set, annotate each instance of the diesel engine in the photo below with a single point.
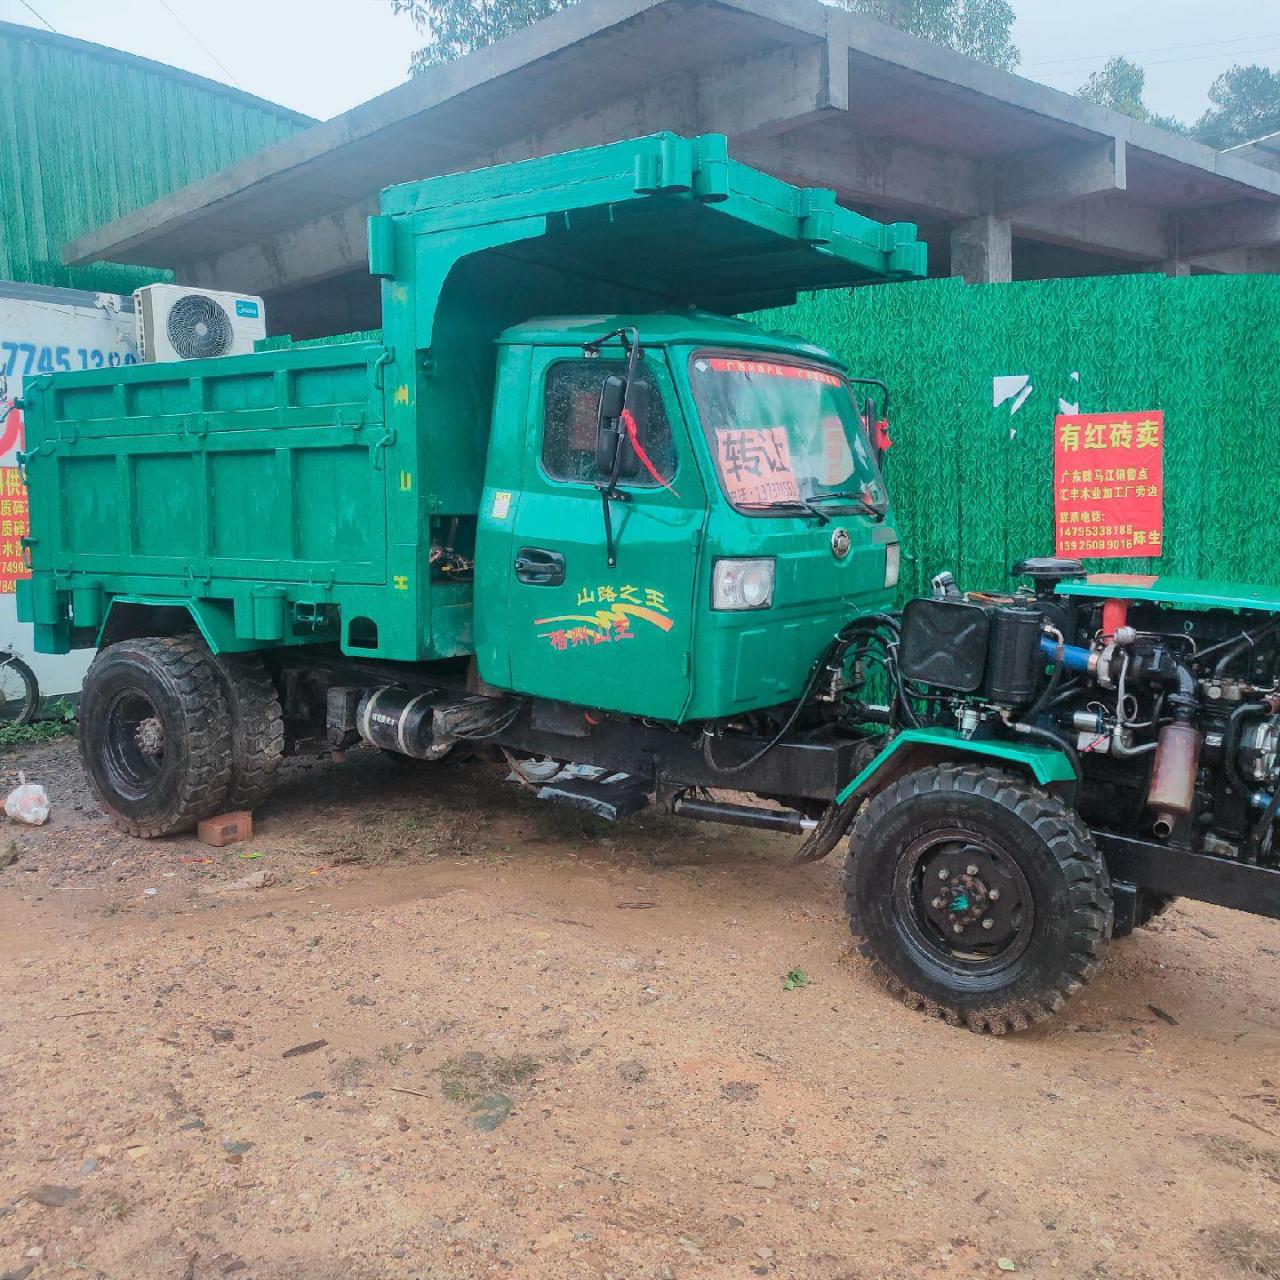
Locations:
(1167, 704)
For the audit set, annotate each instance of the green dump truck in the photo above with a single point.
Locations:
(567, 508)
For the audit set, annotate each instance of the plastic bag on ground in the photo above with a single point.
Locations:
(27, 803)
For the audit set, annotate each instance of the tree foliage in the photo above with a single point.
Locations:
(1119, 87)
(1245, 102)
(1246, 105)
(458, 27)
(980, 28)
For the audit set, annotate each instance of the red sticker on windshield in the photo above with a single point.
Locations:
(764, 369)
(756, 465)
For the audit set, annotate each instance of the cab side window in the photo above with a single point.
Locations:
(571, 411)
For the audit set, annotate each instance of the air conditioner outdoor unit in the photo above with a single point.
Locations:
(177, 323)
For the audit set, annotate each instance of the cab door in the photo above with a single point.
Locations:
(615, 638)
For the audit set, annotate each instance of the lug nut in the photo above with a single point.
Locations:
(971, 870)
(943, 873)
(988, 924)
(937, 904)
(957, 928)
(994, 895)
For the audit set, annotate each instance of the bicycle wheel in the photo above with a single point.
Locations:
(19, 691)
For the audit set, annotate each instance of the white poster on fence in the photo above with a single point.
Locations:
(46, 331)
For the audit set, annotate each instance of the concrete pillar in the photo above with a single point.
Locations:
(982, 251)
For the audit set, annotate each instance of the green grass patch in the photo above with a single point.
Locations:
(474, 1076)
(29, 735)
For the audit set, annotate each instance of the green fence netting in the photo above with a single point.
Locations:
(972, 482)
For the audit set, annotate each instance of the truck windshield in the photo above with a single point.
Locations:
(785, 436)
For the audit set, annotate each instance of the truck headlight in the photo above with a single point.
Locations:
(892, 564)
(743, 584)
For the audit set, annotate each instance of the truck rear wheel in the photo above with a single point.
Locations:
(155, 734)
(979, 898)
(257, 728)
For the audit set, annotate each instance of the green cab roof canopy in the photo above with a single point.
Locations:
(650, 224)
(668, 328)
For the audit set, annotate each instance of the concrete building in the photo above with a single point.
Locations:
(1007, 179)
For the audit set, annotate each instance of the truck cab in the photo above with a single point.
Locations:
(748, 520)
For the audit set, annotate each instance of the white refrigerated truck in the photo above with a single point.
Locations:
(44, 330)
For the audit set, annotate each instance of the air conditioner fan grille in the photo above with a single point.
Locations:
(198, 328)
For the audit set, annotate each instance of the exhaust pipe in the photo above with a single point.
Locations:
(1173, 778)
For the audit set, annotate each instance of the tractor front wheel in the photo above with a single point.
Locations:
(155, 734)
(979, 898)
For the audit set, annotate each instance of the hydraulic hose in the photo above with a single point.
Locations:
(1045, 700)
(1056, 740)
(833, 653)
(1235, 646)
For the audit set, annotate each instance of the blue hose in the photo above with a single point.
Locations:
(1071, 656)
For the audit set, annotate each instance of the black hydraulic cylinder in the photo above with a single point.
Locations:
(742, 815)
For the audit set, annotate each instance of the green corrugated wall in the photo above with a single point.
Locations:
(973, 484)
(87, 135)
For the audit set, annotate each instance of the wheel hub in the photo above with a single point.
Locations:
(964, 898)
(149, 736)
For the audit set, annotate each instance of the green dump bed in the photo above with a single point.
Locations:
(292, 496)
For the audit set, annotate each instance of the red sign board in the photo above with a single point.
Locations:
(13, 528)
(1109, 484)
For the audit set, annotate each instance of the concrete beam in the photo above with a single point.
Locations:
(1057, 175)
(775, 93)
(1240, 262)
(757, 97)
(874, 171)
(1107, 224)
(982, 251)
(1247, 224)
(669, 105)
(327, 247)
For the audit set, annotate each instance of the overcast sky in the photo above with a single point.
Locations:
(323, 56)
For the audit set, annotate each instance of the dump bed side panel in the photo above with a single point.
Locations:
(248, 485)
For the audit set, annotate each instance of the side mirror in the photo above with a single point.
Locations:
(613, 396)
(615, 457)
(871, 417)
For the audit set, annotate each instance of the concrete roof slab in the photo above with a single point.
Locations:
(916, 130)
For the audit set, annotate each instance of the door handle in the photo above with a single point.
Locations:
(540, 568)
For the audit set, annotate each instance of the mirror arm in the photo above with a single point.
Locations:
(609, 488)
(872, 433)
(882, 387)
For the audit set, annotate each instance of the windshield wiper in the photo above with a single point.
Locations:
(878, 514)
(789, 504)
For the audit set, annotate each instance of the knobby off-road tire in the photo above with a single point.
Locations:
(925, 932)
(155, 734)
(257, 728)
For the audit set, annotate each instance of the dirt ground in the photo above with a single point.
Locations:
(457, 1034)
